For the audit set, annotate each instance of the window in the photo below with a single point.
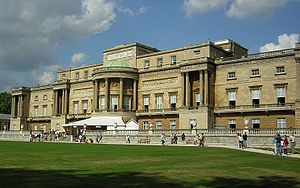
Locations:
(43, 127)
(36, 111)
(146, 103)
(126, 103)
(197, 96)
(160, 61)
(254, 72)
(75, 106)
(173, 101)
(63, 76)
(158, 100)
(231, 76)
(280, 95)
(146, 64)
(231, 124)
(281, 123)
(86, 74)
(146, 125)
(76, 75)
(232, 99)
(193, 123)
(255, 123)
(172, 124)
(102, 103)
(114, 103)
(196, 53)
(45, 97)
(158, 125)
(255, 97)
(35, 127)
(45, 110)
(173, 60)
(36, 98)
(280, 70)
(85, 106)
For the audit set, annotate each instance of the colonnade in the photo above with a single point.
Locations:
(17, 105)
(60, 104)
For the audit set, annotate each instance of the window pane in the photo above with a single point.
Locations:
(231, 95)
(256, 94)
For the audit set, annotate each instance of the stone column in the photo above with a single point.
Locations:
(55, 102)
(66, 101)
(20, 105)
(106, 106)
(96, 94)
(63, 102)
(121, 94)
(13, 107)
(134, 94)
(201, 86)
(182, 90)
(206, 87)
(187, 90)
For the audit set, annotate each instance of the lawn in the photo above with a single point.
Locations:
(91, 165)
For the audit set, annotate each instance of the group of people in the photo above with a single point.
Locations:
(281, 144)
(41, 136)
(199, 139)
(242, 140)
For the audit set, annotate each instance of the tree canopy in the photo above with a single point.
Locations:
(5, 103)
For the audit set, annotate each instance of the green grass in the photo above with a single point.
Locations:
(91, 165)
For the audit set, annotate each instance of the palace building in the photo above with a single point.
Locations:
(205, 86)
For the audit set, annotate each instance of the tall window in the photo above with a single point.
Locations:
(232, 99)
(102, 103)
(126, 103)
(231, 75)
(36, 98)
(75, 105)
(86, 74)
(255, 123)
(36, 111)
(45, 110)
(172, 124)
(158, 125)
(63, 76)
(255, 72)
(114, 103)
(85, 106)
(173, 60)
(146, 103)
(160, 61)
(173, 101)
(146, 64)
(146, 125)
(255, 97)
(280, 95)
(231, 124)
(44, 97)
(76, 75)
(158, 100)
(197, 96)
(281, 123)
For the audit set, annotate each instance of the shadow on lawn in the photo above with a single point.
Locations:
(70, 178)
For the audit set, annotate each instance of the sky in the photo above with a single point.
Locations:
(39, 36)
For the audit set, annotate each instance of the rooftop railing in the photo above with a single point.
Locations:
(256, 107)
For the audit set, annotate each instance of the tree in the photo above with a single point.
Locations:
(5, 103)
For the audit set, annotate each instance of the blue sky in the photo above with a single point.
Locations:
(39, 36)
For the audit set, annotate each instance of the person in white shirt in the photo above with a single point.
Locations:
(292, 143)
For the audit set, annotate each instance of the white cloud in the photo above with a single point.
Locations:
(130, 12)
(30, 32)
(258, 9)
(284, 41)
(78, 58)
(201, 6)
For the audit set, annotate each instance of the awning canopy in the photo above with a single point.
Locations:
(109, 121)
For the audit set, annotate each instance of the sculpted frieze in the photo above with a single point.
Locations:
(83, 92)
(163, 83)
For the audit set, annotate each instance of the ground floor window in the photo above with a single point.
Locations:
(146, 125)
(172, 124)
(281, 123)
(255, 123)
(158, 125)
(231, 124)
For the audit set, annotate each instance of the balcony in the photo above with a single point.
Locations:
(153, 112)
(256, 108)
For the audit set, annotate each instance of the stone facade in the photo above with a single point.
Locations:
(210, 85)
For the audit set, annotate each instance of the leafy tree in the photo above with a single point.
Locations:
(5, 102)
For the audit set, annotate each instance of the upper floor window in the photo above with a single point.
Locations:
(281, 123)
(76, 75)
(232, 99)
(102, 103)
(255, 97)
(196, 53)
(85, 106)
(146, 64)
(45, 97)
(231, 75)
(231, 124)
(63, 76)
(280, 70)
(114, 103)
(160, 61)
(45, 110)
(198, 100)
(86, 74)
(255, 72)
(36, 98)
(75, 107)
(280, 92)
(36, 111)
(173, 101)
(146, 103)
(173, 60)
(158, 100)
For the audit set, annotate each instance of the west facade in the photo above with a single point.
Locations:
(204, 86)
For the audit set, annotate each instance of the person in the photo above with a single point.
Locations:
(97, 138)
(175, 139)
(278, 144)
(163, 139)
(285, 144)
(127, 139)
(183, 137)
(240, 138)
(245, 139)
(275, 147)
(292, 143)
(201, 140)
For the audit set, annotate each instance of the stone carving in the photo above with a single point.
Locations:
(83, 92)
(160, 83)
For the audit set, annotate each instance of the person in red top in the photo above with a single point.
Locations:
(285, 144)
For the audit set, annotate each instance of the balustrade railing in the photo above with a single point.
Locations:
(258, 106)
